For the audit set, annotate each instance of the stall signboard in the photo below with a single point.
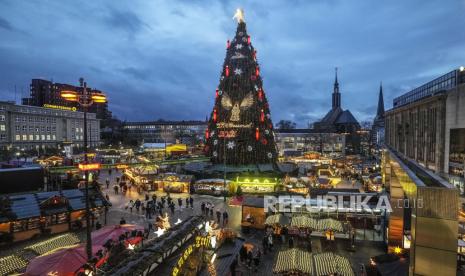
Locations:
(89, 167)
(59, 107)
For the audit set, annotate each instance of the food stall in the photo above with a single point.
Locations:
(253, 213)
(211, 186)
(23, 216)
(173, 183)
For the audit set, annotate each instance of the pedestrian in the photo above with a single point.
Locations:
(98, 225)
(107, 197)
(270, 242)
(130, 205)
(256, 259)
(109, 171)
(191, 201)
(154, 198)
(232, 267)
(249, 259)
(180, 202)
(172, 208)
(218, 216)
(115, 188)
(284, 232)
(107, 182)
(147, 197)
(137, 203)
(207, 207)
(265, 244)
(291, 242)
(211, 211)
(187, 202)
(122, 221)
(117, 179)
(243, 254)
(225, 218)
(202, 207)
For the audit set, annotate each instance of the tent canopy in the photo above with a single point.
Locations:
(112, 232)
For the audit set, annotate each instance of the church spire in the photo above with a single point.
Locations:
(336, 94)
(380, 111)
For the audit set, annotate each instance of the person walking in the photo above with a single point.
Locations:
(265, 244)
(218, 216)
(225, 218)
(187, 202)
(191, 201)
(130, 205)
(115, 188)
(243, 254)
(202, 207)
(270, 242)
(172, 208)
(137, 203)
(180, 203)
(291, 242)
(107, 182)
(256, 259)
(154, 198)
(249, 259)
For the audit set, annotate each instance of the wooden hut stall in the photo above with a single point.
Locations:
(253, 213)
(214, 186)
(23, 216)
(173, 183)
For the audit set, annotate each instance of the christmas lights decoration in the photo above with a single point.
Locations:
(241, 112)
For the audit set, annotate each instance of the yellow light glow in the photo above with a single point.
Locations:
(462, 68)
(69, 95)
(99, 98)
(397, 250)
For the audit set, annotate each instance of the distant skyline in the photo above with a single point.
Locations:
(162, 59)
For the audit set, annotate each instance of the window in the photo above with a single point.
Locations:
(2, 128)
(54, 137)
(24, 137)
(42, 137)
(37, 137)
(31, 137)
(31, 119)
(2, 136)
(31, 128)
(24, 119)
(24, 128)
(17, 137)
(2, 118)
(18, 119)
(48, 137)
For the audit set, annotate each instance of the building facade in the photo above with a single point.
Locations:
(44, 92)
(295, 142)
(427, 125)
(186, 132)
(31, 127)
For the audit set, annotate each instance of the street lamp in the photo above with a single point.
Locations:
(85, 99)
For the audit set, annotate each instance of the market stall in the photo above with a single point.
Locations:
(277, 219)
(211, 186)
(173, 183)
(256, 185)
(294, 261)
(253, 213)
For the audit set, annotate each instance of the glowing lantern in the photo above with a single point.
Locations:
(257, 134)
(228, 44)
(260, 94)
(214, 115)
(262, 116)
(207, 134)
(227, 71)
(248, 39)
(257, 71)
(216, 93)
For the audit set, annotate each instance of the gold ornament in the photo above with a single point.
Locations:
(227, 104)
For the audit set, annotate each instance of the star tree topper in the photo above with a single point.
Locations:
(239, 15)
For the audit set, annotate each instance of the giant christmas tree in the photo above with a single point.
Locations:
(240, 130)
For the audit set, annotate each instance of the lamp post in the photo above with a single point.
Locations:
(85, 99)
(224, 169)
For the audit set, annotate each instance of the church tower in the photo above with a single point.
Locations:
(336, 94)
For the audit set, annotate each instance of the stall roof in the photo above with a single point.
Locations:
(24, 206)
(254, 202)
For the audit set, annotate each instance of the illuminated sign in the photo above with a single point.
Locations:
(121, 166)
(89, 167)
(232, 125)
(59, 107)
(199, 241)
(227, 134)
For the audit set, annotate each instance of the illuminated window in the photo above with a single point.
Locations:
(2, 128)
(48, 137)
(54, 137)
(2, 118)
(17, 137)
(31, 137)
(24, 137)
(42, 137)
(37, 137)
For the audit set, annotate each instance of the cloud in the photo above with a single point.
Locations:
(162, 59)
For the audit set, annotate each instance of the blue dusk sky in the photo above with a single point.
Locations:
(162, 59)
